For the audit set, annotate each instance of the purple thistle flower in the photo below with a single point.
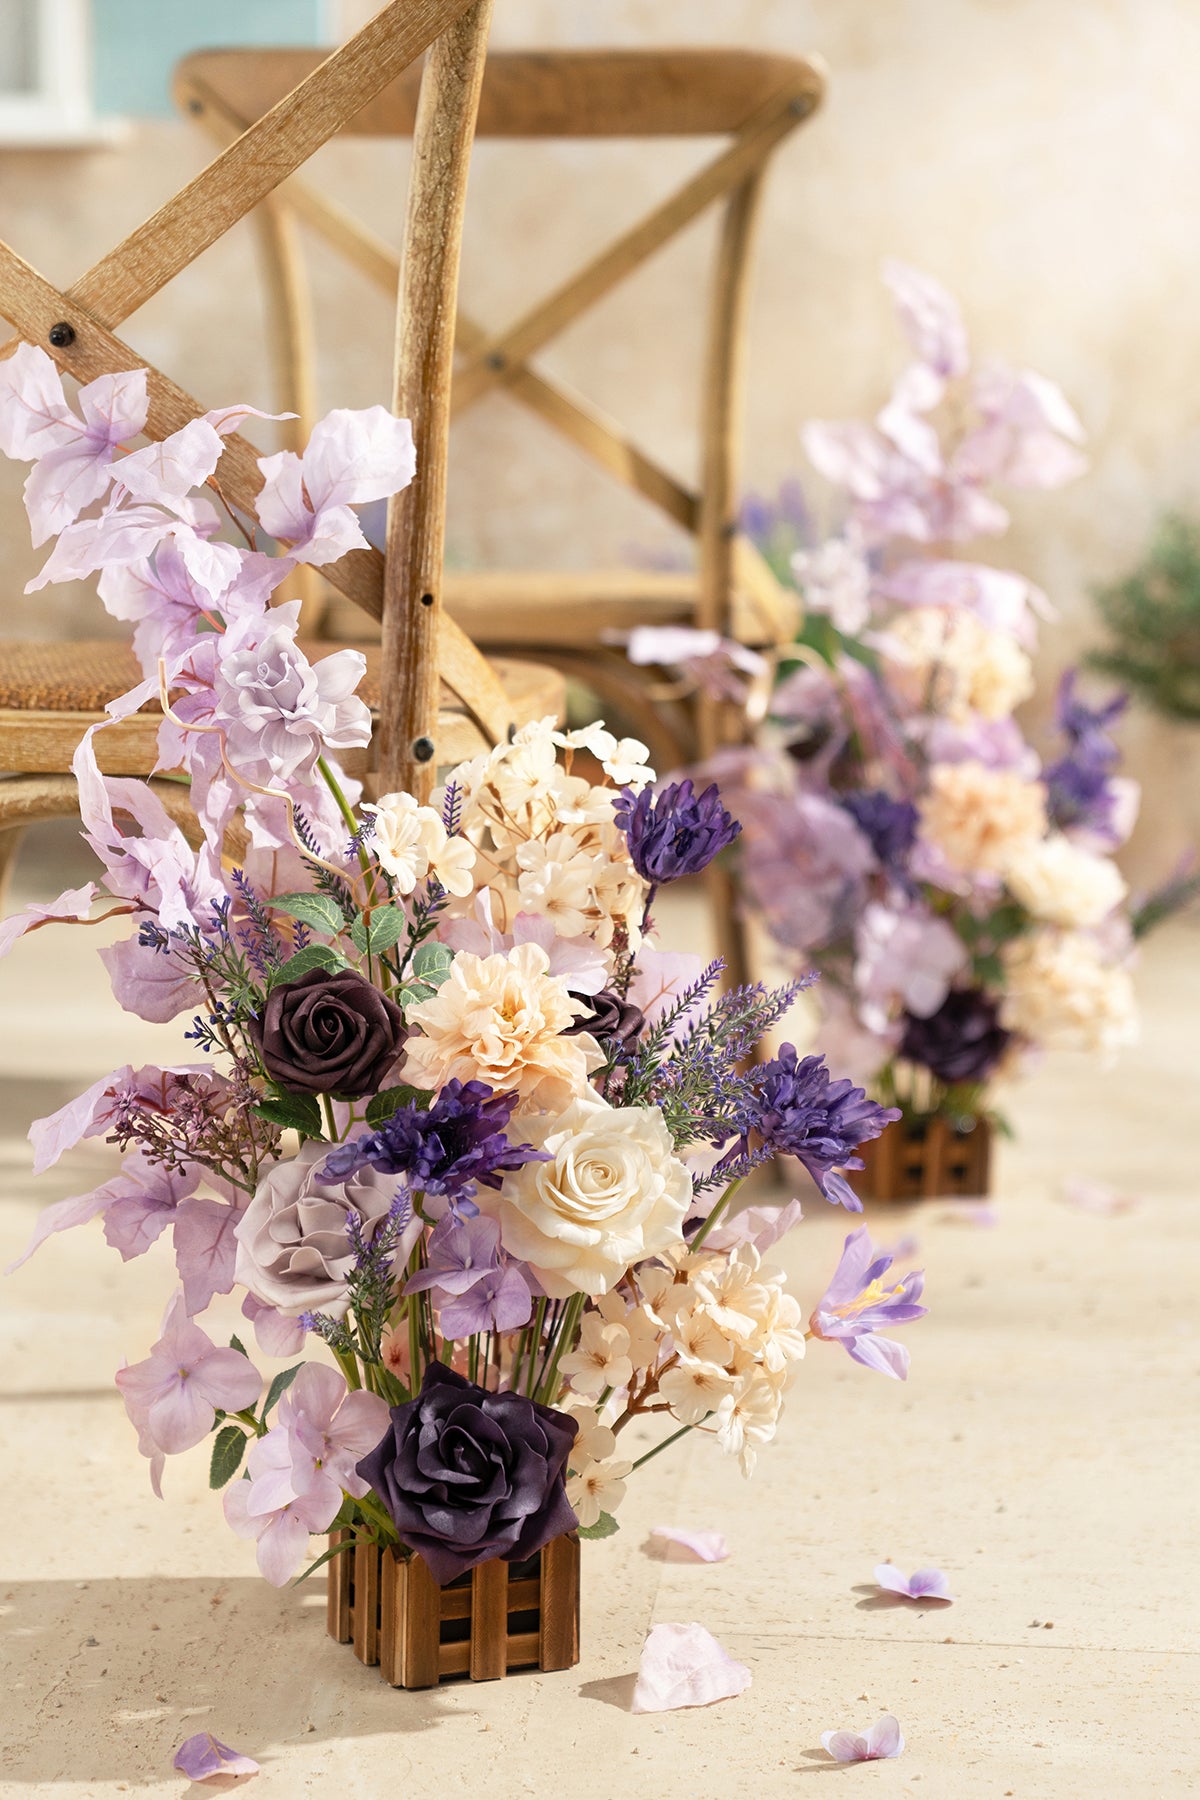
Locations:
(856, 1304)
(473, 1285)
(890, 826)
(674, 832)
(962, 1041)
(445, 1150)
(798, 1110)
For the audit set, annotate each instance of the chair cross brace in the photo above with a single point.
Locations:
(249, 170)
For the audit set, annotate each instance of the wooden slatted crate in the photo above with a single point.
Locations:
(925, 1159)
(498, 1618)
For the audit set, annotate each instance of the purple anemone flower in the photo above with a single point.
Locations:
(856, 1304)
(445, 1150)
(890, 826)
(674, 832)
(798, 1110)
(962, 1041)
(473, 1285)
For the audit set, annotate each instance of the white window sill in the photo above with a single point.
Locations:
(51, 133)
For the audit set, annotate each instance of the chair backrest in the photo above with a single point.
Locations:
(78, 328)
(753, 99)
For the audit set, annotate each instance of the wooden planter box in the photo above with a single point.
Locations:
(925, 1159)
(491, 1621)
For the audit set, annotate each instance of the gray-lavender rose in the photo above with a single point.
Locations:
(293, 1244)
(467, 1476)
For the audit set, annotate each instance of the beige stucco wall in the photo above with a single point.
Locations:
(1042, 157)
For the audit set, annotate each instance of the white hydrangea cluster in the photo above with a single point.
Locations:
(545, 839)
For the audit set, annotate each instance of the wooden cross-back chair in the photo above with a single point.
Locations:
(571, 618)
(436, 698)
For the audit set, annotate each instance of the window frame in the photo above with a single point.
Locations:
(59, 112)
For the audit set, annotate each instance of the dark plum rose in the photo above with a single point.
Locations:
(962, 1041)
(466, 1476)
(609, 1018)
(329, 1034)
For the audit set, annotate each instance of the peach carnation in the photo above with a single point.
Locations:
(978, 817)
(953, 663)
(500, 1019)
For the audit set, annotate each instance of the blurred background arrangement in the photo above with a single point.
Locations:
(1039, 160)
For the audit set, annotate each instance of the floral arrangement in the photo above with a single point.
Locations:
(957, 893)
(461, 1135)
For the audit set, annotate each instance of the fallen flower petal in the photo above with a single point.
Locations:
(925, 1584)
(705, 1546)
(970, 1212)
(683, 1665)
(1096, 1197)
(884, 1740)
(202, 1757)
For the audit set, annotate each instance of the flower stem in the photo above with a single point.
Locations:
(566, 1332)
(349, 1367)
(714, 1215)
(330, 1121)
(665, 1445)
(538, 1323)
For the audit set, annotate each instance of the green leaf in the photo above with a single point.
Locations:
(325, 1556)
(432, 963)
(384, 1104)
(319, 910)
(235, 1343)
(380, 929)
(229, 1446)
(604, 1527)
(412, 994)
(279, 1385)
(315, 956)
(294, 1112)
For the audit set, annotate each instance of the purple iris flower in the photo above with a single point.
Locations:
(856, 1304)
(890, 826)
(474, 1287)
(674, 832)
(962, 1041)
(1086, 727)
(798, 1110)
(1079, 788)
(445, 1150)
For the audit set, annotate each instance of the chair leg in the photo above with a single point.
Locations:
(10, 844)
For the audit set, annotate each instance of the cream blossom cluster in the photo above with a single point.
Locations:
(410, 842)
(596, 1482)
(1063, 883)
(734, 1338)
(546, 840)
(501, 1019)
(1062, 991)
(980, 818)
(947, 661)
(610, 1193)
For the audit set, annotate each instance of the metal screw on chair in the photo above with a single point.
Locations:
(61, 335)
(423, 749)
(496, 360)
(426, 599)
(801, 106)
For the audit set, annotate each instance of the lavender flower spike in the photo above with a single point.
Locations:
(799, 1111)
(856, 1304)
(674, 832)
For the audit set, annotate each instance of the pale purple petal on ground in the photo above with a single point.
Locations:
(683, 1665)
(1096, 1197)
(970, 1212)
(202, 1757)
(925, 1584)
(884, 1740)
(704, 1546)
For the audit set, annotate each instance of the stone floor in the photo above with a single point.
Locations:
(1043, 1453)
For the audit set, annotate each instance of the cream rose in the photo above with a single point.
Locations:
(612, 1193)
(500, 1019)
(1062, 883)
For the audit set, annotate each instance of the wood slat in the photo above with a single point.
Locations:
(523, 1650)
(419, 1626)
(393, 1582)
(337, 1604)
(365, 1611)
(555, 93)
(557, 1641)
(489, 1621)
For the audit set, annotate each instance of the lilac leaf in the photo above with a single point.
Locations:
(205, 1250)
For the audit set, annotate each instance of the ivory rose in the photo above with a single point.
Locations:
(500, 1019)
(1064, 994)
(612, 1193)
